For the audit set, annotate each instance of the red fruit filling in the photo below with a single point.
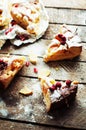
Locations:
(16, 5)
(58, 84)
(35, 70)
(68, 82)
(53, 87)
(8, 30)
(3, 64)
(61, 38)
(22, 37)
(27, 63)
(13, 22)
(1, 11)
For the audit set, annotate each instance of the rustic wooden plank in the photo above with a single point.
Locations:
(66, 70)
(67, 16)
(11, 125)
(79, 4)
(32, 109)
(37, 48)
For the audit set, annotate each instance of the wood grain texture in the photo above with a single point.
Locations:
(32, 109)
(79, 4)
(66, 70)
(67, 16)
(12, 125)
(21, 112)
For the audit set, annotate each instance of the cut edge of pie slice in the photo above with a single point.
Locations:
(65, 45)
(9, 67)
(58, 94)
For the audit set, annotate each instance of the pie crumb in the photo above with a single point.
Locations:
(26, 91)
(33, 58)
(56, 68)
(43, 73)
(75, 82)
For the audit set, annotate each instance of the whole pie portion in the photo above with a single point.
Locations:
(9, 67)
(28, 21)
(58, 94)
(65, 45)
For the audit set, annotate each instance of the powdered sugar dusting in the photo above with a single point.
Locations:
(3, 111)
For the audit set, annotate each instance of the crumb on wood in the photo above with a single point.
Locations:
(26, 91)
(33, 58)
(43, 73)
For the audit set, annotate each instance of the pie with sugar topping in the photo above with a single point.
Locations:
(58, 94)
(65, 45)
(28, 22)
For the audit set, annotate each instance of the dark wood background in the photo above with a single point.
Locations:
(28, 112)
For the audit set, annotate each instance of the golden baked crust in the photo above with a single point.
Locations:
(23, 17)
(9, 67)
(46, 94)
(4, 13)
(65, 45)
(27, 15)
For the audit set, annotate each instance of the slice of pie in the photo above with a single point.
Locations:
(9, 67)
(28, 22)
(58, 94)
(65, 45)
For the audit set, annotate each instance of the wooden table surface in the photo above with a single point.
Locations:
(18, 112)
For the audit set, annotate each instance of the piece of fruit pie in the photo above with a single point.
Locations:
(58, 93)
(65, 45)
